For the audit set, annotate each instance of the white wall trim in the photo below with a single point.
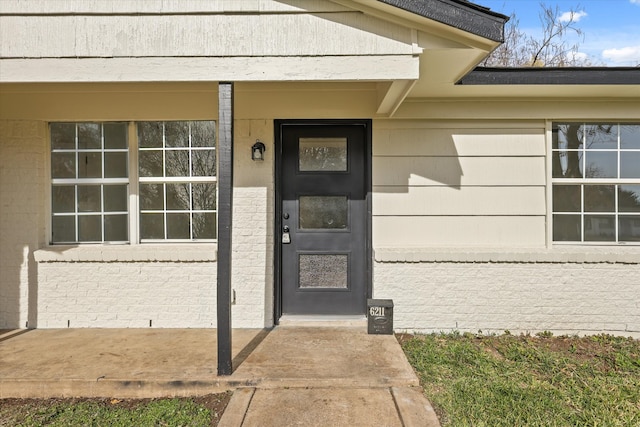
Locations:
(555, 255)
(128, 253)
(238, 69)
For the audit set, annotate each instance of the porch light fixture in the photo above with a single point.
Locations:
(257, 151)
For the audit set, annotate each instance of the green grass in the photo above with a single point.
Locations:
(475, 380)
(105, 412)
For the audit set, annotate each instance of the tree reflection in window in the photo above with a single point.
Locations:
(596, 175)
(177, 168)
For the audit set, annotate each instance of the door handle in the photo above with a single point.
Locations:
(286, 237)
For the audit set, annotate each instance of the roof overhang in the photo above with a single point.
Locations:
(459, 14)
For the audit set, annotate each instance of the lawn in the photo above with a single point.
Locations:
(507, 380)
(204, 411)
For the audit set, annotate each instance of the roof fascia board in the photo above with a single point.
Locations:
(408, 19)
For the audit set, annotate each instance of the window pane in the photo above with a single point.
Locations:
(176, 134)
(115, 165)
(150, 163)
(178, 197)
(89, 198)
(567, 198)
(63, 136)
(566, 228)
(204, 196)
(150, 134)
(152, 196)
(629, 228)
(63, 198)
(203, 134)
(204, 225)
(177, 163)
(629, 198)
(204, 162)
(568, 136)
(323, 154)
(602, 164)
(116, 228)
(89, 136)
(630, 164)
(89, 165)
(63, 165)
(599, 198)
(115, 135)
(89, 228)
(63, 229)
(629, 136)
(601, 136)
(178, 226)
(151, 226)
(567, 164)
(115, 198)
(599, 228)
(323, 271)
(323, 212)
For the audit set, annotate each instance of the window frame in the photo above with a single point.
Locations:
(583, 182)
(132, 182)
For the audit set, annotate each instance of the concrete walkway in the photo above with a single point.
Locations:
(307, 376)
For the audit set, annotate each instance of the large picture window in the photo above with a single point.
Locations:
(596, 182)
(173, 184)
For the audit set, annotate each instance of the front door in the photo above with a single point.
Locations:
(323, 229)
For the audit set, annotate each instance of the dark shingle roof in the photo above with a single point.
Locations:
(459, 14)
(553, 76)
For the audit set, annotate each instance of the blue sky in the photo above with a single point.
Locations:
(611, 27)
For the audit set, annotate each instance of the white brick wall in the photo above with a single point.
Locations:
(252, 257)
(568, 298)
(127, 294)
(21, 223)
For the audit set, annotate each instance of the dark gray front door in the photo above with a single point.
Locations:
(324, 223)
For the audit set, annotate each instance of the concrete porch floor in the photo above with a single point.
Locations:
(277, 372)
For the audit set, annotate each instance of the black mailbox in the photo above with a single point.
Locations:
(380, 316)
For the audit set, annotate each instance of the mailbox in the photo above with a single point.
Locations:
(380, 316)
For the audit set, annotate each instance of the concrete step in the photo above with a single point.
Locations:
(359, 321)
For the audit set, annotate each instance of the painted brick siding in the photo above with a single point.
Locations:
(520, 297)
(21, 200)
(127, 294)
(252, 239)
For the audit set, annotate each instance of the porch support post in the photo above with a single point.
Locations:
(225, 208)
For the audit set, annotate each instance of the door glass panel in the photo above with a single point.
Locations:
(323, 271)
(323, 154)
(321, 212)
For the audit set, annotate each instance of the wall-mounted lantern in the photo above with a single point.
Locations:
(257, 151)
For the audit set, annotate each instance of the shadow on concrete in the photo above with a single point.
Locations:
(249, 348)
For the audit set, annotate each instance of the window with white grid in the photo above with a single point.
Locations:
(99, 195)
(596, 182)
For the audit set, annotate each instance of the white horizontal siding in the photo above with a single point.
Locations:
(458, 231)
(441, 200)
(219, 35)
(469, 184)
(458, 141)
(164, 6)
(458, 171)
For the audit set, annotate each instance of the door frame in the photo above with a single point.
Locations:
(278, 124)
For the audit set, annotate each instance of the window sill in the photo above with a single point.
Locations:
(556, 255)
(196, 252)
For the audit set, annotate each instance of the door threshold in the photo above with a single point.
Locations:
(315, 321)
